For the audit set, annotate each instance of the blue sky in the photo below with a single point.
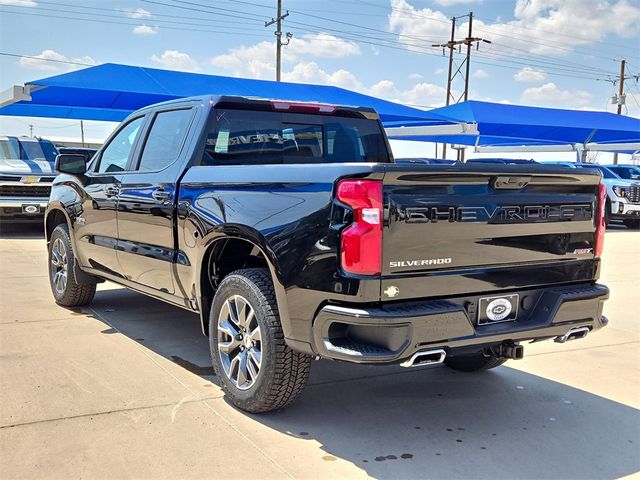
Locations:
(558, 53)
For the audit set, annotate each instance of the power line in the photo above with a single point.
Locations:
(127, 13)
(486, 28)
(550, 67)
(235, 33)
(6, 54)
(581, 71)
(102, 15)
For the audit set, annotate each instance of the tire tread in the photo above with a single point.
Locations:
(292, 368)
(76, 294)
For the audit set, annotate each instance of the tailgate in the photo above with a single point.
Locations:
(475, 227)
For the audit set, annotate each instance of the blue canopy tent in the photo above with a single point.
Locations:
(503, 125)
(112, 91)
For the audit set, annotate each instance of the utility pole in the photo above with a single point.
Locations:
(452, 45)
(278, 34)
(82, 132)
(620, 99)
(449, 78)
(30, 130)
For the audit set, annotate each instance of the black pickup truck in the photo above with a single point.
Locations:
(291, 231)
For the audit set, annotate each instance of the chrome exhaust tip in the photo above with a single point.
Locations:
(425, 357)
(575, 333)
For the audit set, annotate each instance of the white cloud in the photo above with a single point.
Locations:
(322, 45)
(418, 28)
(421, 94)
(19, 3)
(439, 71)
(138, 13)
(174, 60)
(145, 30)
(39, 62)
(310, 72)
(480, 74)
(549, 95)
(416, 76)
(447, 3)
(540, 26)
(258, 60)
(254, 61)
(528, 74)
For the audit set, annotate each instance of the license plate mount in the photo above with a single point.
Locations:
(498, 309)
(30, 209)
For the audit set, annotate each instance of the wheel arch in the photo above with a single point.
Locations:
(54, 216)
(226, 252)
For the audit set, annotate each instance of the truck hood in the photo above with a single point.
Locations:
(26, 167)
(619, 181)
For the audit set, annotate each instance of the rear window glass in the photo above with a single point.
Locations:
(241, 137)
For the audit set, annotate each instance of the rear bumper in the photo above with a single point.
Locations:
(395, 332)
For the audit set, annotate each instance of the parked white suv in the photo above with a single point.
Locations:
(26, 174)
(623, 196)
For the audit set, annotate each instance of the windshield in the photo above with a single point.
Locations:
(9, 148)
(627, 172)
(37, 150)
(13, 148)
(241, 137)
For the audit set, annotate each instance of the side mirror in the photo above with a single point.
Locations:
(71, 163)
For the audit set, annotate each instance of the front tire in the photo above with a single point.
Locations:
(67, 291)
(475, 362)
(257, 370)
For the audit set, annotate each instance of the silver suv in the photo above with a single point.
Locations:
(26, 173)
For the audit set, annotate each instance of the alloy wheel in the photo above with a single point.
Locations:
(59, 270)
(239, 342)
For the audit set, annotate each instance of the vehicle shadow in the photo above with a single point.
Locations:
(21, 231)
(395, 423)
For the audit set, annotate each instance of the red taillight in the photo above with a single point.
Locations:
(362, 240)
(600, 219)
(308, 107)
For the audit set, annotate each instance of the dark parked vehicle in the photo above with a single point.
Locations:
(425, 161)
(86, 151)
(503, 161)
(291, 231)
(628, 172)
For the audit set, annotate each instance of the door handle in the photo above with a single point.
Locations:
(111, 191)
(160, 195)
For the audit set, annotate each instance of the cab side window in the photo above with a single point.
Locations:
(114, 158)
(165, 139)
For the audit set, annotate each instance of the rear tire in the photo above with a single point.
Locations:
(67, 291)
(475, 362)
(257, 370)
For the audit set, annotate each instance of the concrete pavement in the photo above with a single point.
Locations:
(124, 389)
